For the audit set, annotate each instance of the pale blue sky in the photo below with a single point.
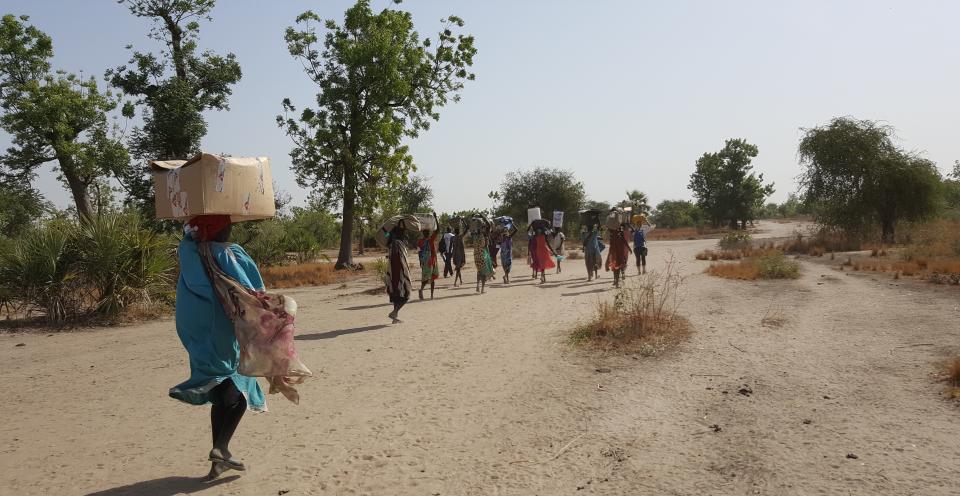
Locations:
(626, 94)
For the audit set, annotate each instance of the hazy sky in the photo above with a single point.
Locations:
(626, 94)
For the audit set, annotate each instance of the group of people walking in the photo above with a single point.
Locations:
(545, 250)
(215, 274)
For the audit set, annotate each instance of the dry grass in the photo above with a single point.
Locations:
(767, 265)
(311, 274)
(642, 319)
(820, 243)
(773, 317)
(715, 255)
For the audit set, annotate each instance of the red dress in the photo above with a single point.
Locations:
(541, 259)
(619, 251)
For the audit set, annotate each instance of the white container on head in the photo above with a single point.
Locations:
(533, 214)
(427, 222)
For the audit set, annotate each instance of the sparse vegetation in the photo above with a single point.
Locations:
(735, 240)
(68, 271)
(771, 265)
(309, 274)
(643, 317)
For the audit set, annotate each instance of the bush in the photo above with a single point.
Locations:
(643, 316)
(265, 241)
(99, 268)
(768, 265)
(735, 240)
(777, 266)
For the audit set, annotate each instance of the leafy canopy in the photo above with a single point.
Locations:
(379, 83)
(53, 116)
(855, 178)
(173, 87)
(547, 188)
(725, 186)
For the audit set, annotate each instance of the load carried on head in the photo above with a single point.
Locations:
(427, 222)
(590, 219)
(406, 222)
(478, 224)
(209, 184)
(617, 218)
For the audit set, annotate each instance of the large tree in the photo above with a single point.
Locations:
(549, 189)
(53, 117)
(173, 87)
(855, 177)
(725, 186)
(379, 83)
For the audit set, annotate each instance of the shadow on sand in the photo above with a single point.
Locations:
(339, 332)
(589, 291)
(411, 302)
(167, 486)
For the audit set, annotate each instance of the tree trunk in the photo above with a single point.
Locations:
(345, 257)
(77, 188)
(888, 226)
(176, 47)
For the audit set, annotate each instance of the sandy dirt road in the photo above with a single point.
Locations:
(482, 395)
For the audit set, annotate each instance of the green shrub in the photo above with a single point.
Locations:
(102, 267)
(124, 262)
(776, 265)
(735, 240)
(39, 271)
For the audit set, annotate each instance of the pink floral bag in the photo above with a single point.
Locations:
(263, 323)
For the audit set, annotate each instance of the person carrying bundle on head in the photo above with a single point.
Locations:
(592, 245)
(393, 235)
(541, 252)
(480, 234)
(619, 253)
(458, 251)
(427, 244)
(505, 229)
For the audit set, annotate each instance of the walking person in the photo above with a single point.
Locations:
(429, 271)
(640, 242)
(480, 234)
(541, 251)
(208, 335)
(458, 250)
(394, 234)
(619, 252)
(446, 252)
(556, 243)
(506, 245)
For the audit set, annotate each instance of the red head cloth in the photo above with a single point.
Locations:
(206, 227)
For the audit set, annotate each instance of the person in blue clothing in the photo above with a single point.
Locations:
(208, 336)
(640, 244)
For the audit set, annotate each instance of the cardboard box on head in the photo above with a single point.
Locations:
(241, 187)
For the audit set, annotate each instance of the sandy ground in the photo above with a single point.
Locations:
(481, 395)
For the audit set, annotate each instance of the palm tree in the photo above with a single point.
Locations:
(638, 201)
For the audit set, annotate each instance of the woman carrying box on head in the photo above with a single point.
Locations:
(208, 335)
